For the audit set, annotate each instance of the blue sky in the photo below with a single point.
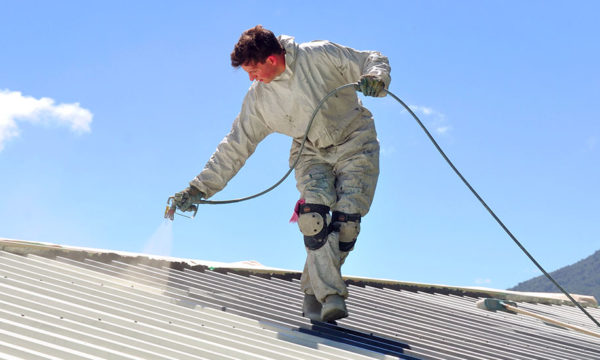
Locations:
(107, 108)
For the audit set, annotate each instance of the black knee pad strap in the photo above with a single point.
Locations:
(339, 216)
(347, 246)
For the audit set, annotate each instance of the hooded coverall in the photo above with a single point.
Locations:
(339, 165)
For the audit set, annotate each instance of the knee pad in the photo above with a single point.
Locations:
(348, 225)
(312, 221)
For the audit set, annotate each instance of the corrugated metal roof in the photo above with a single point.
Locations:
(78, 307)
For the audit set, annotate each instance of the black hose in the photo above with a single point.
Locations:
(485, 205)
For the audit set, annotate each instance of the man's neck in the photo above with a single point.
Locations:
(280, 64)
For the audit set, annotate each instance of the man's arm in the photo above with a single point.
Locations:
(358, 65)
(375, 73)
(247, 131)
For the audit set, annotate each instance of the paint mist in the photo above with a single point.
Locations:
(161, 242)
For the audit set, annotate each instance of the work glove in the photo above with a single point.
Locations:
(184, 200)
(370, 85)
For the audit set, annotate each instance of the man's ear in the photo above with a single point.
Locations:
(272, 59)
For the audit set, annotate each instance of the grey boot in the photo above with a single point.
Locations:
(311, 307)
(334, 308)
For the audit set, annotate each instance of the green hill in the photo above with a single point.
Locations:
(582, 278)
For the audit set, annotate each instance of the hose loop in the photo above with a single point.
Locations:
(439, 149)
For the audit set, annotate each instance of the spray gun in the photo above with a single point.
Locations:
(171, 209)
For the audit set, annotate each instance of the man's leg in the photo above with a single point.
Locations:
(321, 277)
(356, 173)
(323, 268)
(315, 181)
(351, 182)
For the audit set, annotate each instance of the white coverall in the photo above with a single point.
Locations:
(339, 165)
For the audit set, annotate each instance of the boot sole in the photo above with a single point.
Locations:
(312, 316)
(333, 315)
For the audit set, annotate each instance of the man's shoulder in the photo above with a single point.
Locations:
(315, 44)
(313, 47)
(316, 48)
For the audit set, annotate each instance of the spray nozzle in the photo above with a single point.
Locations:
(171, 209)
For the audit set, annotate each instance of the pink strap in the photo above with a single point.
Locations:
(297, 210)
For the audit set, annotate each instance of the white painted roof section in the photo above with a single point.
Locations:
(246, 264)
(65, 305)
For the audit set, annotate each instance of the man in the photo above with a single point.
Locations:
(339, 165)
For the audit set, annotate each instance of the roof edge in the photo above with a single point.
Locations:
(481, 292)
(246, 268)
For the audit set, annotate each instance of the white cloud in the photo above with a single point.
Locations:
(422, 109)
(442, 129)
(435, 118)
(15, 107)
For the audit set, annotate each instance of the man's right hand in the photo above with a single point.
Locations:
(184, 200)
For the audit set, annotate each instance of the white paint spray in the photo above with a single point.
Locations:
(161, 242)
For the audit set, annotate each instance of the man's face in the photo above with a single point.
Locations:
(264, 72)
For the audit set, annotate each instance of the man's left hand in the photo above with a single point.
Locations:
(370, 85)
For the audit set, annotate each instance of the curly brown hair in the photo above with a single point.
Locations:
(255, 46)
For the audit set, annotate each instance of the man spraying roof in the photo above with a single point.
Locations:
(338, 168)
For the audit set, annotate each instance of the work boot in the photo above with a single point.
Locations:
(311, 307)
(334, 308)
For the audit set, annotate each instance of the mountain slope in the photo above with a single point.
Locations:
(582, 278)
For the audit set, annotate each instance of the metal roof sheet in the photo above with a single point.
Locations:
(78, 307)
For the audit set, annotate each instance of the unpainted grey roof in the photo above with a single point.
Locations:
(78, 307)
